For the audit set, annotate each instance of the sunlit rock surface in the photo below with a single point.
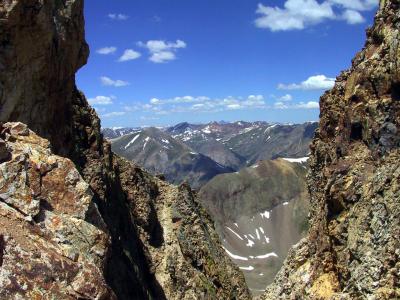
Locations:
(352, 249)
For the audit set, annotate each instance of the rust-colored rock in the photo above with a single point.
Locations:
(352, 250)
(47, 250)
(104, 227)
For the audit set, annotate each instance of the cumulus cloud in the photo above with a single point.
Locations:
(361, 5)
(101, 100)
(107, 81)
(129, 54)
(203, 104)
(301, 105)
(118, 17)
(162, 51)
(308, 105)
(106, 50)
(299, 14)
(318, 82)
(353, 17)
(286, 98)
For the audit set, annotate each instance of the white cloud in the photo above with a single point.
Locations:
(203, 104)
(129, 54)
(353, 17)
(101, 100)
(299, 14)
(114, 114)
(106, 50)
(318, 82)
(360, 5)
(301, 105)
(107, 81)
(296, 14)
(308, 105)
(119, 17)
(286, 98)
(162, 57)
(162, 51)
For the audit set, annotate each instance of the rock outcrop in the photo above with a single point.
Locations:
(46, 246)
(352, 250)
(83, 223)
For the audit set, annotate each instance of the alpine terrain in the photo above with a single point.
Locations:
(198, 152)
(260, 212)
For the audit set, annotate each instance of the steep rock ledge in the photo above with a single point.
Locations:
(352, 250)
(156, 241)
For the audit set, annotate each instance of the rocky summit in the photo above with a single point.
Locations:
(77, 221)
(352, 249)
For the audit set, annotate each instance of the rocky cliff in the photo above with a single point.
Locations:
(352, 250)
(80, 222)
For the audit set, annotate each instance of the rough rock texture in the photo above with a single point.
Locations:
(41, 46)
(353, 247)
(47, 249)
(124, 213)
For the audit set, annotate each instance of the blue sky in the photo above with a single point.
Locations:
(161, 62)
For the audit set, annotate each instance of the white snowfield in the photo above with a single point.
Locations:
(271, 254)
(238, 257)
(249, 268)
(132, 141)
(146, 141)
(235, 233)
(297, 160)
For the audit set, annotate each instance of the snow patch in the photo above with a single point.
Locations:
(146, 140)
(272, 254)
(234, 233)
(249, 268)
(250, 243)
(132, 141)
(297, 160)
(238, 257)
(265, 214)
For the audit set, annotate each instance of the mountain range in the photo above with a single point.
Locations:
(250, 176)
(197, 152)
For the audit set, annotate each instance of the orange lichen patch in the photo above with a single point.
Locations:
(55, 221)
(34, 295)
(325, 286)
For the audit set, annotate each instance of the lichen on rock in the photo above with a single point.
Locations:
(46, 244)
(77, 221)
(352, 250)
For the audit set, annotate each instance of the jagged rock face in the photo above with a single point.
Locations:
(47, 249)
(106, 229)
(352, 250)
(42, 45)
